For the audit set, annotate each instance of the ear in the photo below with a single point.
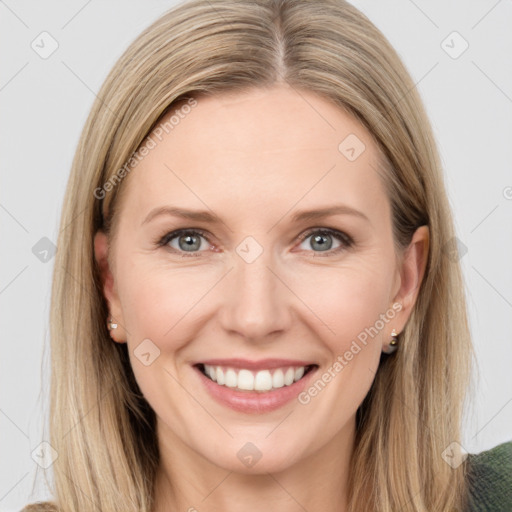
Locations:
(411, 273)
(109, 289)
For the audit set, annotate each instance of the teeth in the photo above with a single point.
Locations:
(263, 381)
(231, 378)
(288, 376)
(247, 380)
(278, 379)
(211, 372)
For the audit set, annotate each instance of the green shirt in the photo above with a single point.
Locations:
(490, 479)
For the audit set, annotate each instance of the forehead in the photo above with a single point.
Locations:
(263, 150)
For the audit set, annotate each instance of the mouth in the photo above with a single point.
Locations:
(259, 381)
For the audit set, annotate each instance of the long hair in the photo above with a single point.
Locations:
(100, 425)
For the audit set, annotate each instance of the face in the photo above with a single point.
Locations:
(253, 286)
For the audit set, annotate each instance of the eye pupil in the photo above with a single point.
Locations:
(321, 239)
(191, 242)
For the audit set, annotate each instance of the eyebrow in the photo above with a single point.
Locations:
(211, 218)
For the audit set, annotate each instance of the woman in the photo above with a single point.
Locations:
(219, 339)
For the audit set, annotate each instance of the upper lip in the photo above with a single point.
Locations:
(262, 364)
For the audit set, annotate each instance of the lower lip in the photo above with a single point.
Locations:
(254, 402)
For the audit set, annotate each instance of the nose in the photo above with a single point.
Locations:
(256, 303)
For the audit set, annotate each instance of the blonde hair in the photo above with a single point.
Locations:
(100, 425)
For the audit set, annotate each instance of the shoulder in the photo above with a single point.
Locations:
(489, 477)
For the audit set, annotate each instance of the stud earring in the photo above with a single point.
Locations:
(393, 344)
(111, 325)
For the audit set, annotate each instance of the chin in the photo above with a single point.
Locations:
(252, 458)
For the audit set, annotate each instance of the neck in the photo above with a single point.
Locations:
(186, 481)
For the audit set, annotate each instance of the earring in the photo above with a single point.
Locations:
(111, 325)
(393, 344)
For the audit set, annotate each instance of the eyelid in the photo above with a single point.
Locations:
(346, 240)
(171, 235)
(325, 230)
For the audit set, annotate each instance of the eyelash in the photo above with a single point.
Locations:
(346, 240)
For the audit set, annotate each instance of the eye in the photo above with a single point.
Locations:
(185, 241)
(323, 240)
(189, 242)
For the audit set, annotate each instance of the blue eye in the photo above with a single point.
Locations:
(322, 239)
(190, 241)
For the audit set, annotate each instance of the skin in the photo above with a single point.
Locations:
(254, 159)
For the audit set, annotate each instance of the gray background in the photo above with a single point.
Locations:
(45, 101)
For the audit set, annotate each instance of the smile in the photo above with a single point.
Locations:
(243, 379)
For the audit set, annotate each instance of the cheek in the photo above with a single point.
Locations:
(159, 301)
(345, 300)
